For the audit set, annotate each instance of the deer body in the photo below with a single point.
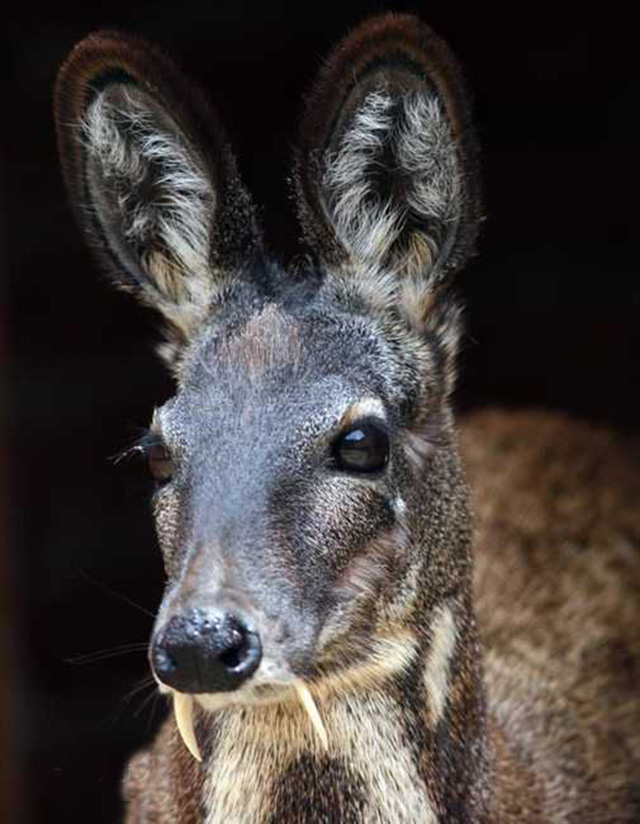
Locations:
(318, 633)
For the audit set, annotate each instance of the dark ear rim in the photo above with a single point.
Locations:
(111, 56)
(390, 39)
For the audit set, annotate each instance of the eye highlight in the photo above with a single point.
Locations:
(362, 448)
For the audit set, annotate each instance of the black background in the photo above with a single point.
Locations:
(553, 297)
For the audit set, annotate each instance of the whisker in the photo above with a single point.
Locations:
(114, 594)
(146, 683)
(153, 699)
(109, 652)
(154, 708)
(138, 687)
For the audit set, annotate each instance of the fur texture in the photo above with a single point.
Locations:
(368, 215)
(358, 578)
(163, 195)
(153, 181)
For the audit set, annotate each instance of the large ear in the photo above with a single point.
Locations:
(386, 172)
(152, 178)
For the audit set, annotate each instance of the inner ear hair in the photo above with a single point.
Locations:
(386, 172)
(152, 178)
(151, 195)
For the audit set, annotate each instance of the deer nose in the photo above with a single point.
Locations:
(205, 651)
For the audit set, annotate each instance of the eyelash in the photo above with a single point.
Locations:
(159, 466)
(139, 448)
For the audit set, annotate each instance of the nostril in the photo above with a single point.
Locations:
(202, 651)
(242, 651)
(236, 653)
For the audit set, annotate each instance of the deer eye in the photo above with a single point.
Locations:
(363, 448)
(159, 462)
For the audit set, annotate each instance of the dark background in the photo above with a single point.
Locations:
(554, 305)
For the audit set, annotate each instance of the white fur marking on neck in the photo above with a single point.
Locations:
(366, 730)
(436, 674)
(256, 746)
(373, 741)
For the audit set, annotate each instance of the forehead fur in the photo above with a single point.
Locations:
(269, 339)
(291, 341)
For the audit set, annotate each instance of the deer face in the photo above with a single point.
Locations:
(305, 472)
(286, 466)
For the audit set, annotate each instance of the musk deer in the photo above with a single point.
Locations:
(318, 633)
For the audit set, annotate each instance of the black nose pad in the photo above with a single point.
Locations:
(205, 651)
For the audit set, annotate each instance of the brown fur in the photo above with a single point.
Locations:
(556, 582)
(267, 341)
(557, 575)
(502, 693)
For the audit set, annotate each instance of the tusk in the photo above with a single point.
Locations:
(310, 707)
(183, 709)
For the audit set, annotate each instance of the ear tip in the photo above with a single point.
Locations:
(106, 50)
(103, 42)
(93, 56)
(111, 55)
(97, 40)
(386, 42)
(401, 32)
(387, 24)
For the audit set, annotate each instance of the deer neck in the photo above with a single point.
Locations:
(407, 747)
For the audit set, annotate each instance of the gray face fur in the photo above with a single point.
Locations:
(257, 515)
(274, 366)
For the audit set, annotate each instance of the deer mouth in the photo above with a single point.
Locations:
(295, 690)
